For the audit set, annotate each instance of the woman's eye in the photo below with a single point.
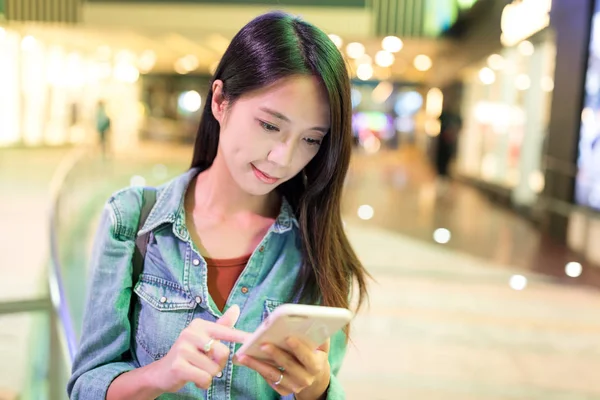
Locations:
(313, 142)
(268, 127)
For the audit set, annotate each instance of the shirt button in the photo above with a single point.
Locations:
(196, 262)
(163, 299)
(198, 299)
(244, 290)
(262, 248)
(220, 374)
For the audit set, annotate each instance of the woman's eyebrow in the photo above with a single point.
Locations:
(276, 114)
(282, 117)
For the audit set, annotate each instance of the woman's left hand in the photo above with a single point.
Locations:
(302, 371)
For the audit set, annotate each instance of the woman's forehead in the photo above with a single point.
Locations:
(301, 96)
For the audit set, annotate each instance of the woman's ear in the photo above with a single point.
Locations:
(219, 104)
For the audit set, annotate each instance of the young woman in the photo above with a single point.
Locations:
(253, 224)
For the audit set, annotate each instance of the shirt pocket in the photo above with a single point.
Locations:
(164, 309)
(269, 307)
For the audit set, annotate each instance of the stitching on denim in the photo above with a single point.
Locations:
(118, 217)
(166, 307)
(188, 304)
(145, 346)
(152, 225)
(138, 337)
(156, 217)
(179, 228)
(229, 379)
(209, 395)
(190, 317)
(270, 306)
(160, 228)
(121, 230)
(151, 279)
(186, 266)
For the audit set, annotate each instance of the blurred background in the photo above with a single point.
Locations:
(473, 196)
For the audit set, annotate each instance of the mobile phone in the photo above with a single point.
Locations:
(313, 324)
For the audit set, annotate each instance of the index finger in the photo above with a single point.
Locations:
(220, 332)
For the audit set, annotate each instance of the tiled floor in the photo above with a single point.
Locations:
(403, 191)
(445, 325)
(443, 322)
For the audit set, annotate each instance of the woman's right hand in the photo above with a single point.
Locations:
(187, 361)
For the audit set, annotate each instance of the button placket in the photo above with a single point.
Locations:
(199, 286)
(249, 274)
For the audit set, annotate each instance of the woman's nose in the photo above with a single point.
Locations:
(282, 154)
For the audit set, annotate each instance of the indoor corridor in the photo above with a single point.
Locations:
(488, 315)
(475, 318)
(485, 286)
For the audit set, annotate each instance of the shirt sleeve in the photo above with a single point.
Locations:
(105, 339)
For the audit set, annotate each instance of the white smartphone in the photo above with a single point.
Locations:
(314, 324)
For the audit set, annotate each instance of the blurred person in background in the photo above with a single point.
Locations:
(254, 223)
(102, 127)
(450, 125)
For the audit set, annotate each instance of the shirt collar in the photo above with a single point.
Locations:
(169, 208)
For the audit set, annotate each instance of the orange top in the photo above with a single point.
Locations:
(222, 276)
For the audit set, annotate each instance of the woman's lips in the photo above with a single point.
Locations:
(264, 177)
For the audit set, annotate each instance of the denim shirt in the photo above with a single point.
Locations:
(172, 291)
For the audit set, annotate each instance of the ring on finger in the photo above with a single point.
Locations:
(208, 346)
(279, 380)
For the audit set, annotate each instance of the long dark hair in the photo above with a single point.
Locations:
(274, 46)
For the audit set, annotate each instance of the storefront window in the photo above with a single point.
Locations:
(587, 187)
(385, 114)
(50, 90)
(505, 112)
(174, 105)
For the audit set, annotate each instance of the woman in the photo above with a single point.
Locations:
(253, 224)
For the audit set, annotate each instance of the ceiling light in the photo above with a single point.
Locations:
(496, 61)
(423, 63)
(526, 48)
(487, 76)
(336, 40)
(355, 50)
(384, 58)
(392, 44)
(364, 72)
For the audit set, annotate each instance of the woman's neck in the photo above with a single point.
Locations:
(217, 193)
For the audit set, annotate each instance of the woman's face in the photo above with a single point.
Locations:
(268, 136)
